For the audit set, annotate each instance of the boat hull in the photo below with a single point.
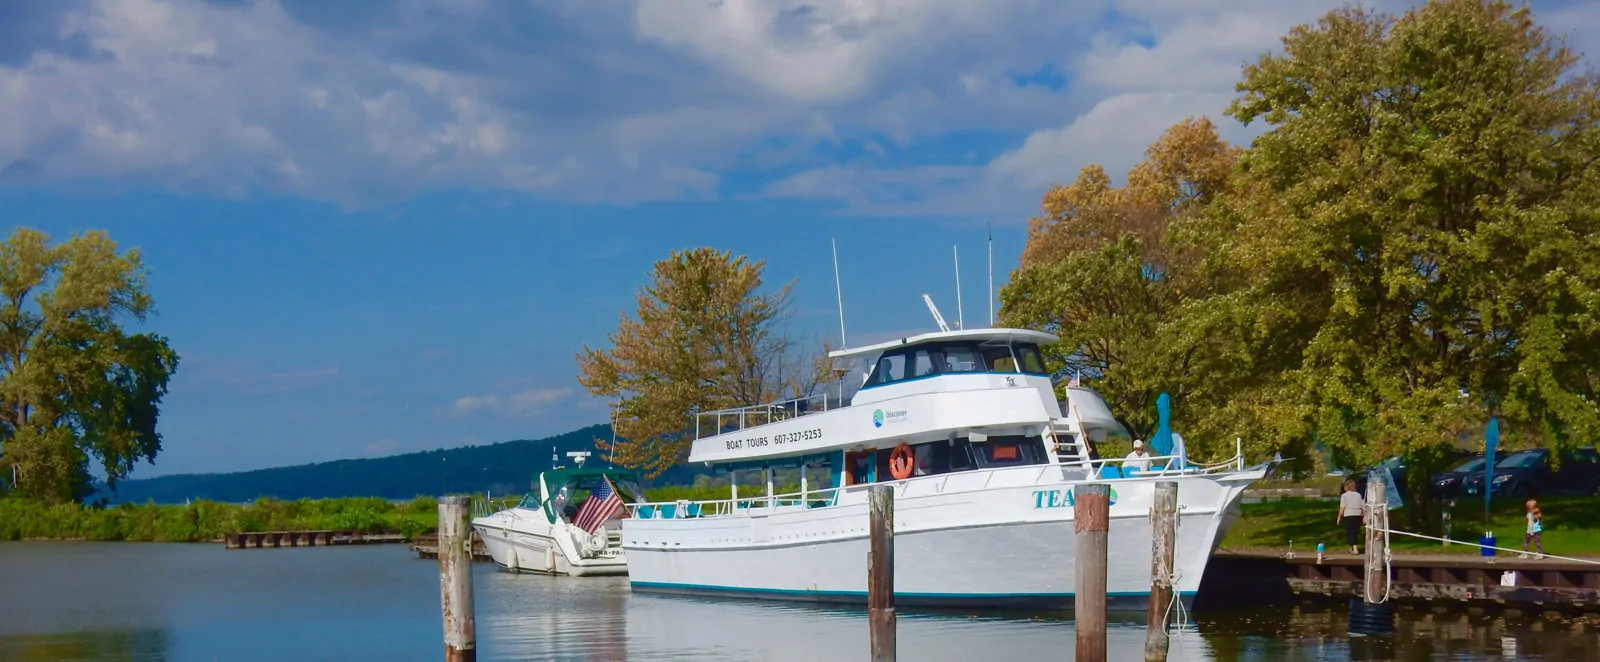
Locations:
(525, 551)
(946, 554)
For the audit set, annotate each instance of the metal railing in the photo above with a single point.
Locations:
(486, 505)
(712, 423)
(1076, 471)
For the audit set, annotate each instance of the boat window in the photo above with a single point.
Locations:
(961, 455)
(959, 358)
(1010, 451)
(923, 365)
(942, 358)
(1032, 362)
(997, 356)
(890, 368)
(859, 467)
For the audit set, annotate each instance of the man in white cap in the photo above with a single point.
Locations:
(1138, 459)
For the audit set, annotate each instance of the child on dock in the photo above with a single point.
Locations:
(1535, 528)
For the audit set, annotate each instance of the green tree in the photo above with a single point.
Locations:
(1420, 223)
(74, 386)
(705, 337)
(1110, 270)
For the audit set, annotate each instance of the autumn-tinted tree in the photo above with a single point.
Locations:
(1422, 219)
(1109, 269)
(704, 337)
(74, 386)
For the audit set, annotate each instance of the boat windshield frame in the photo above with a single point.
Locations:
(555, 481)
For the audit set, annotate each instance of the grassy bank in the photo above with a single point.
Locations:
(209, 520)
(1571, 526)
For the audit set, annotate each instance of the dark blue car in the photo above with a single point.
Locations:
(1529, 473)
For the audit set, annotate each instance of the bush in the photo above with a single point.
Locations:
(208, 520)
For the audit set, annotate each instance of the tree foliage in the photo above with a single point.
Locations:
(704, 337)
(74, 386)
(1422, 216)
(1108, 269)
(1404, 253)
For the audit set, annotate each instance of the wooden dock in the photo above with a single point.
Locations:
(277, 539)
(427, 547)
(1437, 579)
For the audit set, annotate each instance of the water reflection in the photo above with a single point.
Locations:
(104, 603)
(115, 646)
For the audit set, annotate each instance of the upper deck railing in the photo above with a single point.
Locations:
(712, 423)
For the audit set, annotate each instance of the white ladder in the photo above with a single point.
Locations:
(1069, 444)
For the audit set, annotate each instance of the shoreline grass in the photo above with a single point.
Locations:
(1571, 527)
(209, 521)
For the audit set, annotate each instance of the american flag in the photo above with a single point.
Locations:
(602, 503)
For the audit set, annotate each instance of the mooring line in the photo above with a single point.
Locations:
(1482, 546)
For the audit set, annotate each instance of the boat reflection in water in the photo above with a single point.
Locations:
(598, 619)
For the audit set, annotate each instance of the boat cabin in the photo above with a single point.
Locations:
(938, 403)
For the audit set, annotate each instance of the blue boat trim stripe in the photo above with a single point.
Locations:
(900, 594)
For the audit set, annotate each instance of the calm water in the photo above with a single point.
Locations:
(101, 602)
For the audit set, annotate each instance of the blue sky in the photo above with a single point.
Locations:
(377, 227)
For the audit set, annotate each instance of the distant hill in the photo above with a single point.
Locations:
(504, 468)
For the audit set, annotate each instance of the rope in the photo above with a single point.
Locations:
(1371, 514)
(1387, 531)
(1175, 604)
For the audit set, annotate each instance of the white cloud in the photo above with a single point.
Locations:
(362, 101)
(1113, 134)
(522, 404)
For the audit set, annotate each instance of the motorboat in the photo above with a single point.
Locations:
(555, 529)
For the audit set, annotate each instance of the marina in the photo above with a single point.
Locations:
(183, 603)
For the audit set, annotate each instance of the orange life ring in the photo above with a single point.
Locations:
(901, 462)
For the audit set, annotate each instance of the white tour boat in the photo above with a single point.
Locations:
(542, 534)
(983, 513)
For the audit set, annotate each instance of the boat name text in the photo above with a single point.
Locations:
(1060, 498)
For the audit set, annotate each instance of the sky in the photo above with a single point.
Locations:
(381, 227)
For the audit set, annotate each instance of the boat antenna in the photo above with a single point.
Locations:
(838, 291)
(991, 274)
(961, 319)
(935, 310)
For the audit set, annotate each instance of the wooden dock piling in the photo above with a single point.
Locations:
(880, 572)
(1091, 512)
(1374, 614)
(1377, 577)
(1163, 534)
(455, 581)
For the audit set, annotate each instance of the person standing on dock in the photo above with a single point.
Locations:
(1352, 513)
(1535, 528)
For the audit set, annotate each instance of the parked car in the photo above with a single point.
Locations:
(1397, 468)
(1528, 473)
(1447, 484)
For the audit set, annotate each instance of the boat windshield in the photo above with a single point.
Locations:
(570, 496)
(932, 359)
